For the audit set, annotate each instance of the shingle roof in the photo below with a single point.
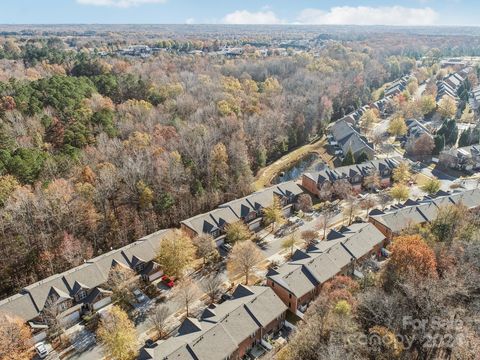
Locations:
(215, 219)
(351, 170)
(398, 219)
(19, 305)
(326, 259)
(219, 334)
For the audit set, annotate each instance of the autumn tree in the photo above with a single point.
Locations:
(400, 192)
(218, 165)
(447, 107)
(452, 222)
(175, 254)
(397, 126)
(289, 243)
(158, 317)
(431, 186)
(424, 145)
(243, 258)
(468, 116)
(237, 231)
(186, 292)
(273, 215)
(15, 338)
(117, 335)
(411, 256)
(369, 118)
(401, 173)
(206, 248)
(427, 104)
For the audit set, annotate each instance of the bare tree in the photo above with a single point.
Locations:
(15, 338)
(51, 315)
(121, 281)
(185, 292)
(212, 285)
(324, 221)
(158, 317)
(351, 208)
(367, 203)
(243, 258)
(304, 203)
(342, 189)
(309, 236)
(206, 247)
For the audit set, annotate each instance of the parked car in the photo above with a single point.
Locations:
(227, 247)
(139, 296)
(168, 280)
(41, 350)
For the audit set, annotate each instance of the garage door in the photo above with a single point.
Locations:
(71, 318)
(101, 303)
(255, 226)
(288, 211)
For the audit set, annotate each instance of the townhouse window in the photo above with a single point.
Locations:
(82, 294)
(289, 296)
(140, 266)
(273, 284)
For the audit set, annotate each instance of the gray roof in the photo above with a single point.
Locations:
(219, 335)
(322, 262)
(41, 290)
(348, 171)
(290, 188)
(397, 219)
(19, 305)
(208, 222)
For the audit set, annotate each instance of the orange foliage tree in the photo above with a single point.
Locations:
(411, 256)
(15, 339)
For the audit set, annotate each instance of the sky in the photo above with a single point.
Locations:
(367, 12)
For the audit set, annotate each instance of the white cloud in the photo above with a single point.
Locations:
(119, 3)
(364, 15)
(246, 17)
(190, 21)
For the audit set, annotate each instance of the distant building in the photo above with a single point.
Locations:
(344, 137)
(393, 221)
(315, 182)
(464, 159)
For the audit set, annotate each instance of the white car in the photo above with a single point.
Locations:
(139, 296)
(41, 350)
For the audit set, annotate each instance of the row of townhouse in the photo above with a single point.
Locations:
(415, 129)
(345, 137)
(81, 290)
(475, 98)
(248, 209)
(225, 331)
(451, 84)
(464, 159)
(395, 219)
(300, 280)
(319, 182)
(397, 86)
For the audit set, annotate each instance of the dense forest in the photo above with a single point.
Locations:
(96, 152)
